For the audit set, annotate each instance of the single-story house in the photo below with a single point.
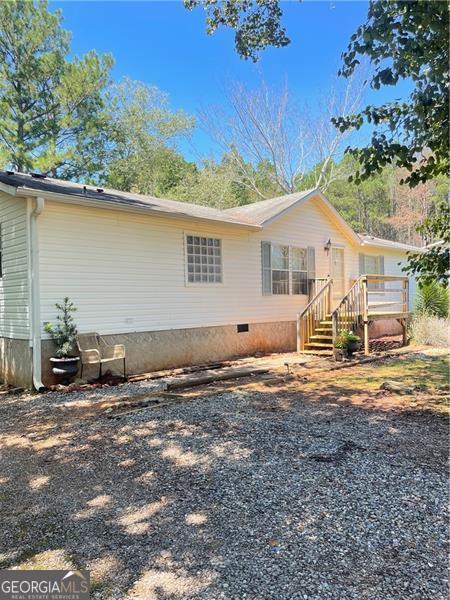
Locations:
(177, 283)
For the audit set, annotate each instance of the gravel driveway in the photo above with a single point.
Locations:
(252, 492)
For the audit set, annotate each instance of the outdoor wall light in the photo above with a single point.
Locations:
(327, 246)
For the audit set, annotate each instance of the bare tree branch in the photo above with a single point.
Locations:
(267, 126)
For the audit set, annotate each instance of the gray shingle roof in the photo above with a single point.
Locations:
(121, 199)
(265, 210)
(253, 216)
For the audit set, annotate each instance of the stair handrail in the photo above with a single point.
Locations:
(307, 318)
(351, 308)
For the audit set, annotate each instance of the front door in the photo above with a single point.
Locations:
(337, 270)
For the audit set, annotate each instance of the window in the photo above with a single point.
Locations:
(280, 269)
(204, 259)
(299, 271)
(370, 264)
(285, 269)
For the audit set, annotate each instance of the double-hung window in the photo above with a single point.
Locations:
(203, 259)
(286, 269)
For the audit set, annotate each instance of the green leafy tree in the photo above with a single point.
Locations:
(367, 206)
(143, 134)
(213, 184)
(51, 109)
(404, 40)
(64, 333)
(257, 23)
(408, 40)
(434, 263)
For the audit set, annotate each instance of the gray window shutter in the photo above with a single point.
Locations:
(362, 265)
(311, 265)
(266, 264)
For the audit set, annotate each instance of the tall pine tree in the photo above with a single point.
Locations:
(51, 109)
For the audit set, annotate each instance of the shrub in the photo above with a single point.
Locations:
(344, 338)
(64, 333)
(432, 299)
(430, 330)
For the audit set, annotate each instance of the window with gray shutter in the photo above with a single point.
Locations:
(286, 269)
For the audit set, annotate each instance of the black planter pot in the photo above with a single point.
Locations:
(352, 347)
(65, 369)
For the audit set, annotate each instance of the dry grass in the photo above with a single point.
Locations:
(431, 331)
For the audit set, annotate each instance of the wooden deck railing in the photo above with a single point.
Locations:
(351, 309)
(371, 297)
(316, 310)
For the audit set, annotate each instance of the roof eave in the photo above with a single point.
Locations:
(106, 204)
(389, 247)
(8, 189)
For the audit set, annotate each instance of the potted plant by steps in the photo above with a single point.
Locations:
(346, 344)
(63, 334)
(353, 341)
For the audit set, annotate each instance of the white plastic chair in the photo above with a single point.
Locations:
(94, 350)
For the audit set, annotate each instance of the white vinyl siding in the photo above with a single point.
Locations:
(127, 272)
(14, 303)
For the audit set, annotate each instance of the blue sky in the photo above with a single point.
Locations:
(165, 45)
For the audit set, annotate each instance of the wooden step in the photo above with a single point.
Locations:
(326, 329)
(326, 322)
(321, 337)
(318, 345)
(318, 352)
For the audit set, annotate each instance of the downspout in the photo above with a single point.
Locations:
(35, 294)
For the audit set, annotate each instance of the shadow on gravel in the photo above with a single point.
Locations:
(238, 494)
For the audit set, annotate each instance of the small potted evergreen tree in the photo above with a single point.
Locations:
(63, 334)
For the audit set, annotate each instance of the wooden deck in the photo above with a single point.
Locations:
(370, 298)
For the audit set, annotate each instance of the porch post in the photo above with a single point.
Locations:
(366, 316)
(366, 338)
